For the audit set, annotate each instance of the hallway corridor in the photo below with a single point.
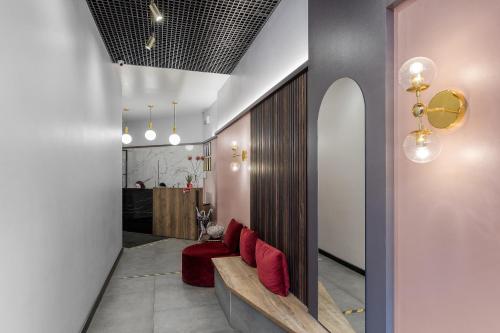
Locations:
(146, 294)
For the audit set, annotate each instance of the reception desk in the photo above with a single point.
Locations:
(174, 212)
(137, 215)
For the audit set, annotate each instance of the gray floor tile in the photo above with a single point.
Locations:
(357, 322)
(119, 286)
(131, 312)
(206, 319)
(342, 277)
(129, 305)
(172, 293)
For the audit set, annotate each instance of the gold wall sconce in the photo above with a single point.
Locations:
(235, 163)
(445, 110)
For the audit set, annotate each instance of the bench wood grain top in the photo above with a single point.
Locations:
(329, 314)
(287, 312)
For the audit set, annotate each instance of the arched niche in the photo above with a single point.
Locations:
(341, 172)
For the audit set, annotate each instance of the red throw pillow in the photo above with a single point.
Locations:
(232, 235)
(272, 268)
(248, 239)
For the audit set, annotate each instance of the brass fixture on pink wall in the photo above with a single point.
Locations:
(235, 164)
(445, 110)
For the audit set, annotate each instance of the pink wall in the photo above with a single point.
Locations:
(233, 188)
(447, 212)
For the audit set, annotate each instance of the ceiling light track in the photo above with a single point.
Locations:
(156, 17)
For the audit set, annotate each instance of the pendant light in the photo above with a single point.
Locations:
(126, 138)
(150, 134)
(174, 138)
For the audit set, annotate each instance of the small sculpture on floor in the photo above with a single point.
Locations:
(203, 220)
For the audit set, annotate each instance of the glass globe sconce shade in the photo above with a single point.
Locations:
(174, 139)
(422, 146)
(417, 74)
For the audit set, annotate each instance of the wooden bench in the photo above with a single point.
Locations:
(250, 307)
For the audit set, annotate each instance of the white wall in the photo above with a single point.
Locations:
(341, 172)
(60, 199)
(279, 48)
(189, 128)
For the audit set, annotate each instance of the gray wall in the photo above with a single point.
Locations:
(60, 199)
(350, 38)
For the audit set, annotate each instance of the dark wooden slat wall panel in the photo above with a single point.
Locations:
(279, 176)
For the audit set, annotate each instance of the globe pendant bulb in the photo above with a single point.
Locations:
(174, 139)
(126, 138)
(150, 135)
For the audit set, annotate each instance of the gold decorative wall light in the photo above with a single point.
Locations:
(235, 163)
(445, 110)
(126, 137)
(150, 134)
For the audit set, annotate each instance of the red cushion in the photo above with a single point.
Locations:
(207, 250)
(272, 268)
(248, 238)
(197, 266)
(232, 235)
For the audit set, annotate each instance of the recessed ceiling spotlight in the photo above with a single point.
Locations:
(151, 42)
(157, 16)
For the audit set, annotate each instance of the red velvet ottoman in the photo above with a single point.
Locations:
(197, 266)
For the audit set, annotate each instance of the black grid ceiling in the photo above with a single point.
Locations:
(197, 35)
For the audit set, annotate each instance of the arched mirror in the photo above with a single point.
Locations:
(341, 205)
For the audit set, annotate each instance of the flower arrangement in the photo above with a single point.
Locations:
(196, 164)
